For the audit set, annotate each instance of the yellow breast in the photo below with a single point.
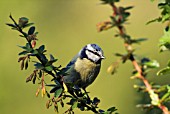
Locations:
(84, 67)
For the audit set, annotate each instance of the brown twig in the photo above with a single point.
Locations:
(133, 60)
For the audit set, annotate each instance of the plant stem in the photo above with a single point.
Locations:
(129, 48)
(43, 59)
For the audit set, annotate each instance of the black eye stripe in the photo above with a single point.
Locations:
(93, 52)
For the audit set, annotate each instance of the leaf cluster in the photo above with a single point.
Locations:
(46, 67)
(165, 12)
(160, 95)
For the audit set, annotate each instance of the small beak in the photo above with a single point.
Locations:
(102, 57)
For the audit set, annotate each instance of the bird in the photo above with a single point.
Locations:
(83, 69)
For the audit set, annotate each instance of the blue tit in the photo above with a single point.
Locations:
(85, 66)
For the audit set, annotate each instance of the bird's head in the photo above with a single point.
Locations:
(92, 52)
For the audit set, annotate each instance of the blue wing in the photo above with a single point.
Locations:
(72, 62)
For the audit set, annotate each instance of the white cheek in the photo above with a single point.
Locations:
(92, 56)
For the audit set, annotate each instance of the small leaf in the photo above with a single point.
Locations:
(154, 97)
(30, 78)
(21, 58)
(168, 63)
(112, 109)
(23, 53)
(152, 64)
(129, 7)
(104, 26)
(51, 62)
(65, 87)
(38, 66)
(51, 85)
(49, 68)
(62, 103)
(37, 92)
(138, 40)
(26, 64)
(166, 96)
(31, 30)
(23, 47)
(34, 79)
(34, 52)
(27, 25)
(51, 57)
(48, 95)
(154, 20)
(36, 33)
(40, 73)
(164, 71)
(165, 40)
(101, 111)
(58, 92)
(22, 21)
(96, 101)
(113, 68)
(109, 1)
(11, 25)
(55, 88)
(22, 64)
(48, 104)
(56, 107)
(75, 104)
(41, 48)
(26, 47)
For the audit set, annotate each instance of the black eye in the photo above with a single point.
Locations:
(94, 52)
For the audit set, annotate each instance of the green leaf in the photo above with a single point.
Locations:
(51, 57)
(58, 92)
(34, 52)
(36, 33)
(164, 71)
(138, 40)
(51, 85)
(40, 73)
(159, 19)
(23, 53)
(38, 66)
(31, 30)
(75, 104)
(166, 17)
(129, 7)
(168, 63)
(27, 25)
(23, 21)
(112, 109)
(26, 47)
(23, 47)
(125, 15)
(11, 25)
(152, 64)
(48, 95)
(41, 48)
(49, 68)
(109, 1)
(51, 62)
(164, 41)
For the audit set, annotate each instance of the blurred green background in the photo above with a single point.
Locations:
(65, 26)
